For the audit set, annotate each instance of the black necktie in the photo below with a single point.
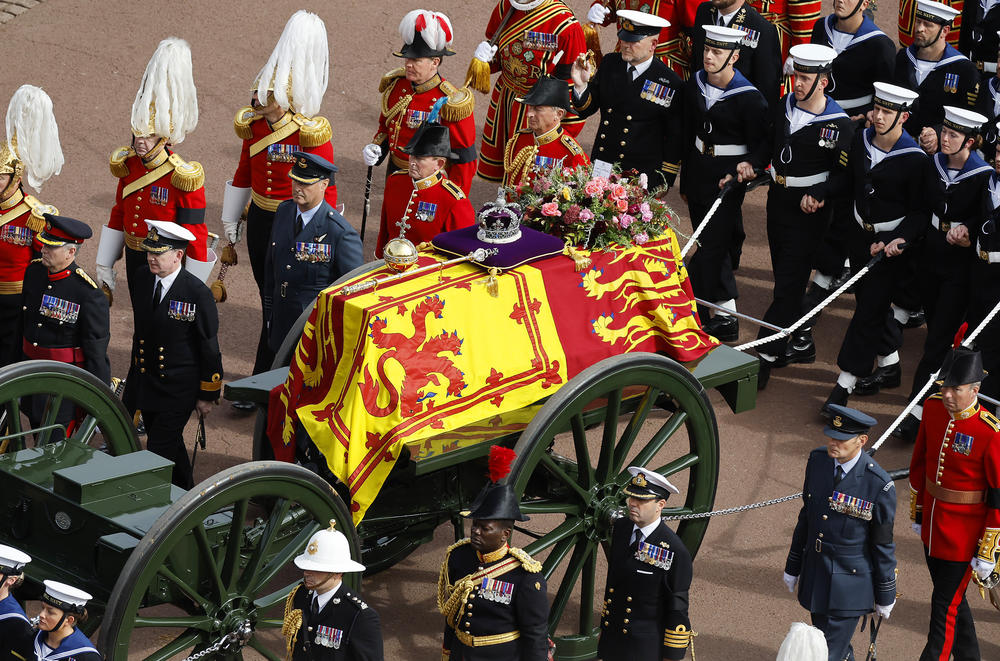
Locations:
(157, 294)
(839, 475)
(631, 72)
(298, 224)
(636, 538)
(314, 609)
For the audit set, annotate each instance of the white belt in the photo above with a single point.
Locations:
(887, 226)
(848, 104)
(720, 150)
(989, 67)
(798, 182)
(990, 257)
(945, 226)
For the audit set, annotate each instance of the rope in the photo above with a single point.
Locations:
(704, 221)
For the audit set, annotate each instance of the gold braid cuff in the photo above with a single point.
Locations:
(989, 547)
(915, 506)
(292, 623)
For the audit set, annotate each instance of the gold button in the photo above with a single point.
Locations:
(854, 571)
(611, 589)
(142, 341)
(624, 630)
(49, 287)
(139, 198)
(824, 517)
(625, 621)
(628, 116)
(600, 149)
(161, 366)
(135, 216)
(622, 143)
(821, 535)
(602, 135)
(628, 610)
(35, 344)
(605, 122)
(161, 348)
(621, 155)
(39, 325)
(605, 623)
(610, 110)
(269, 172)
(143, 370)
(268, 189)
(161, 357)
(628, 598)
(142, 351)
(624, 130)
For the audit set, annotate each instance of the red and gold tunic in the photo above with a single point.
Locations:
(527, 155)
(266, 157)
(525, 50)
(21, 218)
(906, 8)
(430, 206)
(955, 481)
(673, 46)
(165, 188)
(405, 106)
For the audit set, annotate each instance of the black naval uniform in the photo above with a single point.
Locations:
(641, 120)
(811, 161)
(842, 548)
(760, 51)
(645, 614)
(345, 629)
(953, 81)
(298, 266)
(736, 122)
(75, 646)
(978, 38)
(988, 105)
(503, 616)
(16, 633)
(175, 362)
(985, 273)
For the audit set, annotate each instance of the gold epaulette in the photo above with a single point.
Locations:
(118, 157)
(389, 79)
(313, 132)
(529, 564)
(86, 278)
(989, 419)
(453, 188)
(571, 144)
(188, 175)
(291, 623)
(36, 221)
(37, 260)
(460, 102)
(245, 116)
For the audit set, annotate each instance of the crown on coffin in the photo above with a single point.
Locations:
(499, 221)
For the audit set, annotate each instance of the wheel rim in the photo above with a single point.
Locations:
(649, 411)
(101, 418)
(219, 557)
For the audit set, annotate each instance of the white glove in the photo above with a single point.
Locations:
(790, 581)
(485, 52)
(917, 528)
(982, 568)
(789, 68)
(598, 13)
(232, 228)
(883, 611)
(106, 276)
(371, 154)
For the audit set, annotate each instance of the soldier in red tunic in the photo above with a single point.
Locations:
(544, 145)
(421, 201)
(409, 93)
(32, 151)
(955, 501)
(154, 183)
(528, 43)
(672, 46)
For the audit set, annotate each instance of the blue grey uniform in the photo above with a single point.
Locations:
(842, 548)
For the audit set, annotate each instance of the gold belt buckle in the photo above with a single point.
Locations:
(945, 227)
(983, 255)
(979, 65)
(869, 227)
(819, 545)
(780, 179)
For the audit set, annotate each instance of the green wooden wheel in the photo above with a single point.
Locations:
(101, 418)
(220, 557)
(636, 409)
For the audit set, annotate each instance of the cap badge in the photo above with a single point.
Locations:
(313, 548)
(639, 480)
(153, 235)
(303, 163)
(628, 25)
(837, 422)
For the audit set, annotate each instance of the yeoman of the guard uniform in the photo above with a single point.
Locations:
(59, 638)
(16, 633)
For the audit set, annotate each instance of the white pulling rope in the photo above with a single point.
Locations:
(704, 221)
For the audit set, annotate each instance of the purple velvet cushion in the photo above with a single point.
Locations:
(531, 246)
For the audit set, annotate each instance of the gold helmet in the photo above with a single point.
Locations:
(9, 162)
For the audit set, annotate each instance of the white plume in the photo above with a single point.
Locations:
(299, 66)
(167, 101)
(32, 134)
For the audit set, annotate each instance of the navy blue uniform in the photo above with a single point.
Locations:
(299, 266)
(15, 631)
(345, 629)
(76, 646)
(988, 104)
(953, 81)
(842, 548)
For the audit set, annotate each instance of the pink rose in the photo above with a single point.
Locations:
(618, 192)
(592, 188)
(586, 214)
(626, 220)
(643, 180)
(647, 213)
(550, 209)
(622, 205)
(641, 238)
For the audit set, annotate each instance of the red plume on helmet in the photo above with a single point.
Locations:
(960, 335)
(500, 461)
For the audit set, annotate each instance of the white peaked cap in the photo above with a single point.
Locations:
(937, 10)
(723, 35)
(298, 70)
(65, 595)
(32, 134)
(166, 104)
(643, 18)
(170, 230)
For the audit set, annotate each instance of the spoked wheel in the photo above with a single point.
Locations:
(216, 566)
(43, 401)
(637, 409)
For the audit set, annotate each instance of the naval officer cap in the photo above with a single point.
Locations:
(847, 423)
(962, 120)
(718, 36)
(894, 97)
(648, 485)
(935, 12)
(163, 235)
(61, 230)
(637, 25)
(812, 58)
(12, 560)
(65, 597)
(310, 168)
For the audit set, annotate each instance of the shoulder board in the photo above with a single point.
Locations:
(245, 116)
(352, 598)
(571, 144)
(390, 78)
(528, 563)
(86, 278)
(313, 132)
(453, 188)
(989, 419)
(119, 167)
(188, 175)
(460, 102)
(36, 221)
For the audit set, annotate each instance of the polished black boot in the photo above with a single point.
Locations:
(800, 348)
(907, 429)
(889, 376)
(839, 396)
(724, 327)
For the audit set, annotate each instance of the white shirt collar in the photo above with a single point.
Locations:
(847, 465)
(641, 68)
(727, 18)
(646, 531)
(323, 599)
(166, 282)
(308, 215)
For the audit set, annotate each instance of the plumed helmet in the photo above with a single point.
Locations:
(298, 70)
(425, 34)
(166, 104)
(32, 137)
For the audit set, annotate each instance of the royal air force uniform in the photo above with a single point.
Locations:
(345, 629)
(864, 57)
(16, 632)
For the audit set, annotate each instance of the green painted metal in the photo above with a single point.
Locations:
(733, 373)
(640, 406)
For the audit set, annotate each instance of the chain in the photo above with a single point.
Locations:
(732, 510)
(242, 633)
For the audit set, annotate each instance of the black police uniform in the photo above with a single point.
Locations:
(988, 104)
(978, 38)
(646, 598)
(867, 58)
(345, 629)
(811, 161)
(953, 81)
(503, 616)
(738, 119)
(298, 266)
(760, 52)
(641, 120)
(175, 362)
(842, 548)
(16, 633)
(984, 235)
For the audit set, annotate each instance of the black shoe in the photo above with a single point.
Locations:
(837, 396)
(839, 281)
(800, 348)
(763, 373)
(889, 376)
(724, 327)
(916, 319)
(907, 429)
(814, 296)
(244, 406)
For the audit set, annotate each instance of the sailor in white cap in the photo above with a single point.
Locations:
(323, 619)
(808, 165)
(63, 608)
(16, 632)
(888, 174)
(988, 103)
(980, 22)
(176, 366)
(640, 99)
(935, 70)
(725, 113)
(645, 614)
